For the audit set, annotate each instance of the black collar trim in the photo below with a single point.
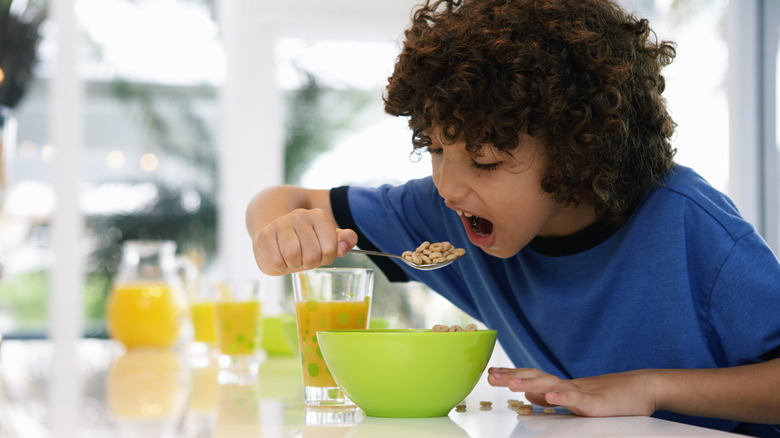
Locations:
(580, 241)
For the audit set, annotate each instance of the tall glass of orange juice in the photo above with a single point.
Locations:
(328, 299)
(147, 304)
(238, 312)
(203, 324)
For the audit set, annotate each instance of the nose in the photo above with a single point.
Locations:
(449, 178)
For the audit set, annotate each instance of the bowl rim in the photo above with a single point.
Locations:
(404, 331)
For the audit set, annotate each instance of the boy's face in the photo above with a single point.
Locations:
(498, 196)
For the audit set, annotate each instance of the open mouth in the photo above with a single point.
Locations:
(479, 226)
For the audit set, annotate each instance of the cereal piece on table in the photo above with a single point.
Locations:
(461, 407)
(470, 328)
(486, 404)
(514, 403)
(549, 410)
(525, 410)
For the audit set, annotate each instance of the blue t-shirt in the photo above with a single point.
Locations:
(686, 282)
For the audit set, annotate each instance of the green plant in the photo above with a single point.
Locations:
(170, 119)
(20, 24)
(25, 296)
(316, 115)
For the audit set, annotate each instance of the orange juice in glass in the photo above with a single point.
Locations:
(328, 299)
(238, 311)
(203, 322)
(239, 327)
(203, 315)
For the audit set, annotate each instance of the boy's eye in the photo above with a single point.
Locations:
(485, 166)
(479, 166)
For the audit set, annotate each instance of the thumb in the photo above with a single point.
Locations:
(347, 239)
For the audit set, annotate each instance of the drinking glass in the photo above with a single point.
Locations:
(238, 316)
(203, 315)
(328, 299)
(331, 422)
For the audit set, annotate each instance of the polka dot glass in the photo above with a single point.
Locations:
(328, 299)
(237, 324)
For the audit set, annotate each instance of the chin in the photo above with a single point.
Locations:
(501, 253)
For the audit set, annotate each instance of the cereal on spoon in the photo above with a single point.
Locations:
(429, 253)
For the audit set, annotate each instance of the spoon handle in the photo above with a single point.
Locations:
(374, 253)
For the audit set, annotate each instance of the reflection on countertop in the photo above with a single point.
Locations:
(164, 393)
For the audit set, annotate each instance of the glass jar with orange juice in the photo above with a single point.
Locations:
(147, 305)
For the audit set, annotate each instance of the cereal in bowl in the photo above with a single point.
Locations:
(454, 328)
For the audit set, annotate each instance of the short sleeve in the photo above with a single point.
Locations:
(342, 213)
(743, 311)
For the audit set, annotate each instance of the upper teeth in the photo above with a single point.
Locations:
(463, 213)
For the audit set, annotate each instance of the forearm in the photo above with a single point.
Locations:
(746, 393)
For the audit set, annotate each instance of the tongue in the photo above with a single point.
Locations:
(481, 227)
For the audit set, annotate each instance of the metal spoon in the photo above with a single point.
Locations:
(428, 267)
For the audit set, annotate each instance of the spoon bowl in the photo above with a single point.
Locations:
(422, 267)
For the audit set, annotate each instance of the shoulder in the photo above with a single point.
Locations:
(413, 195)
(687, 196)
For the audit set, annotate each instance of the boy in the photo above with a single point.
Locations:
(619, 282)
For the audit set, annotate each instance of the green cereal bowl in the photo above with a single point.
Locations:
(406, 373)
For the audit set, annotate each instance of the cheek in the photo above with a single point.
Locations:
(435, 168)
(524, 210)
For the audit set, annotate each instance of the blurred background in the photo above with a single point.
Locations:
(159, 119)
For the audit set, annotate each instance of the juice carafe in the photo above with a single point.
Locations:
(147, 305)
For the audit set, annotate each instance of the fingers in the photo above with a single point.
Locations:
(570, 399)
(346, 240)
(537, 399)
(508, 376)
(300, 240)
(540, 388)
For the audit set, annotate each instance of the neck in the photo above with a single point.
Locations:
(569, 220)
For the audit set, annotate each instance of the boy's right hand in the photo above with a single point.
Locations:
(300, 240)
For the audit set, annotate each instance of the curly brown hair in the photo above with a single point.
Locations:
(582, 75)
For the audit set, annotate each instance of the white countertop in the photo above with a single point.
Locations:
(98, 390)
